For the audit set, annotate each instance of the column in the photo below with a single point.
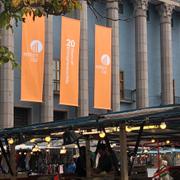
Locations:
(113, 13)
(165, 12)
(83, 109)
(7, 84)
(47, 104)
(140, 11)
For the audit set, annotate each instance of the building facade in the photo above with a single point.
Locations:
(145, 61)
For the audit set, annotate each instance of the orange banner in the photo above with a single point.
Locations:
(32, 63)
(102, 86)
(69, 72)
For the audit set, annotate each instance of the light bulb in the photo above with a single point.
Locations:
(128, 129)
(102, 134)
(10, 141)
(33, 140)
(145, 151)
(163, 125)
(47, 138)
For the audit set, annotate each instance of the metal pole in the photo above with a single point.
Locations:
(13, 158)
(5, 157)
(123, 153)
(88, 158)
(158, 155)
(137, 145)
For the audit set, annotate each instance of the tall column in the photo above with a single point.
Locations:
(165, 11)
(7, 84)
(47, 105)
(112, 13)
(83, 95)
(140, 11)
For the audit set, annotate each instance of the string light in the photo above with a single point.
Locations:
(36, 149)
(63, 150)
(128, 129)
(47, 138)
(102, 134)
(145, 151)
(153, 140)
(33, 140)
(137, 128)
(10, 141)
(167, 141)
(163, 125)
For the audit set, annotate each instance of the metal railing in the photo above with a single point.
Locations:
(128, 95)
(177, 100)
(56, 86)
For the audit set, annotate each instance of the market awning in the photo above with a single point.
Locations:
(155, 115)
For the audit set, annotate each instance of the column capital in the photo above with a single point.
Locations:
(140, 5)
(165, 11)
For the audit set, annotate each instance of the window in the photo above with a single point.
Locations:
(60, 115)
(56, 76)
(121, 8)
(0, 36)
(174, 92)
(148, 15)
(21, 116)
(122, 84)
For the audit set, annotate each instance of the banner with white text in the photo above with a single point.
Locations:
(102, 85)
(32, 62)
(69, 71)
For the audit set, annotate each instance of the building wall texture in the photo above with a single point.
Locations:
(147, 50)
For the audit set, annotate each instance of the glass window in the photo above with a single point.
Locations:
(56, 75)
(22, 116)
(122, 84)
(60, 115)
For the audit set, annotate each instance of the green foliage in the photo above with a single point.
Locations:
(17, 9)
(7, 56)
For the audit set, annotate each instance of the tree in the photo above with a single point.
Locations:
(17, 9)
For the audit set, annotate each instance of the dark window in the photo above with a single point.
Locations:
(122, 84)
(172, 22)
(148, 16)
(60, 115)
(174, 92)
(21, 116)
(121, 8)
(56, 76)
